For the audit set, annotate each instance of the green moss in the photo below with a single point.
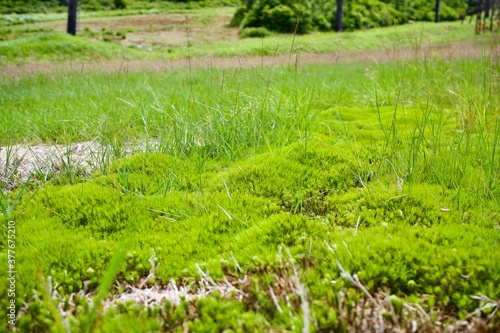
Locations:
(101, 211)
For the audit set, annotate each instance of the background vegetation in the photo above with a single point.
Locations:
(23, 43)
(320, 15)
(278, 15)
(45, 6)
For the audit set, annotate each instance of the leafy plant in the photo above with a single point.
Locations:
(283, 15)
(254, 32)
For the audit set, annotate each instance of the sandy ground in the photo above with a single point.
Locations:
(18, 162)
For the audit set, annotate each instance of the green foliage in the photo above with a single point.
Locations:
(57, 6)
(254, 32)
(32, 6)
(370, 14)
(282, 15)
(120, 4)
(238, 17)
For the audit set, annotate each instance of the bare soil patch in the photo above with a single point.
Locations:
(163, 30)
(18, 162)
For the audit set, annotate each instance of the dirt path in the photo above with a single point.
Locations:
(463, 49)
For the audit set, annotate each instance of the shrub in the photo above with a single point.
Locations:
(254, 32)
(238, 17)
(120, 4)
(281, 15)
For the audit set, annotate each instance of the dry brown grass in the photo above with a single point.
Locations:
(376, 312)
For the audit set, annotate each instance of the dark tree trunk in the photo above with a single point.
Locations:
(479, 10)
(437, 11)
(338, 21)
(487, 6)
(72, 5)
(492, 17)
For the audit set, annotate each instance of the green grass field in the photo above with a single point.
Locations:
(306, 198)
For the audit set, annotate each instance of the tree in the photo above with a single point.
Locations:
(487, 6)
(437, 11)
(72, 5)
(479, 10)
(338, 20)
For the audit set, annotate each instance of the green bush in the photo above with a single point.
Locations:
(281, 17)
(238, 17)
(254, 32)
(44, 6)
(120, 4)
(320, 15)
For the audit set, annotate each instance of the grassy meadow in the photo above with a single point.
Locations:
(197, 33)
(293, 198)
